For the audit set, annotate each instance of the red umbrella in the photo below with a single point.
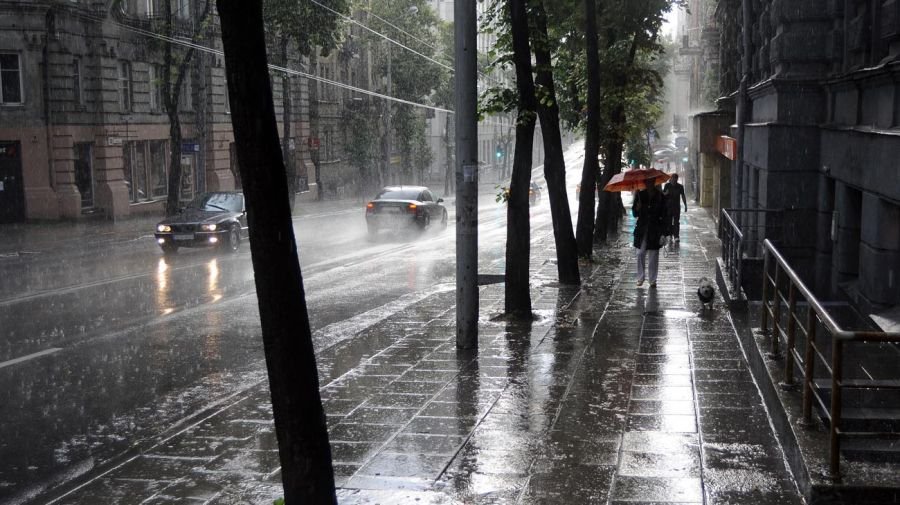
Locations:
(636, 180)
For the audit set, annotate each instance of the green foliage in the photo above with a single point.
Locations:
(443, 95)
(412, 77)
(633, 60)
(496, 100)
(360, 126)
(279, 501)
(306, 24)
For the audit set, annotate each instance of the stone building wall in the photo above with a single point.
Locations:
(823, 136)
(92, 127)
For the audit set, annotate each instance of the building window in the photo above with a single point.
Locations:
(125, 86)
(135, 166)
(76, 82)
(185, 99)
(182, 9)
(84, 177)
(155, 88)
(158, 175)
(10, 79)
(153, 8)
(145, 164)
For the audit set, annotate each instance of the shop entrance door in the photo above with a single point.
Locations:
(84, 175)
(12, 188)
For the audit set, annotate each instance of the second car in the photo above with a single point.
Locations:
(404, 207)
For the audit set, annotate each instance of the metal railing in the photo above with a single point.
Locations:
(773, 300)
(741, 241)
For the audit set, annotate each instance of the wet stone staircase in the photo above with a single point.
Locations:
(866, 410)
(870, 465)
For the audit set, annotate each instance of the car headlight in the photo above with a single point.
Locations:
(163, 228)
(208, 227)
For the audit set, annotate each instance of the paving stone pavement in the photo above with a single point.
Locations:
(613, 394)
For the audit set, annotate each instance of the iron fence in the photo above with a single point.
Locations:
(779, 277)
(741, 232)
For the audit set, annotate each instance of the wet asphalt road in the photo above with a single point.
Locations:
(104, 342)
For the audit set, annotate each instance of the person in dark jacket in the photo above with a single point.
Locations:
(673, 193)
(649, 208)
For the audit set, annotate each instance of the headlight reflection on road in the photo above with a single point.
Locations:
(213, 267)
(162, 287)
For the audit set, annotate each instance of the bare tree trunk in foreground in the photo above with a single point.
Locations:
(305, 454)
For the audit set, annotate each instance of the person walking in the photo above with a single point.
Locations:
(673, 191)
(649, 208)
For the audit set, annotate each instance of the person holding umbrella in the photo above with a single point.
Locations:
(649, 208)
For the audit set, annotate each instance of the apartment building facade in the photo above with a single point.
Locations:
(83, 125)
(821, 143)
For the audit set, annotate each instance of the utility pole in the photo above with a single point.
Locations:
(466, 94)
(387, 124)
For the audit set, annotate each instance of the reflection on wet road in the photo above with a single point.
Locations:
(105, 342)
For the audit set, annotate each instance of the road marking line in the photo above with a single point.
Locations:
(30, 356)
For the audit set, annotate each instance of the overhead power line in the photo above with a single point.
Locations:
(401, 30)
(199, 47)
(399, 44)
(381, 35)
(290, 71)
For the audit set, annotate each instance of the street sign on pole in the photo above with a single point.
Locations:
(466, 96)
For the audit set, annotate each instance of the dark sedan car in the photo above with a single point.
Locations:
(209, 220)
(402, 207)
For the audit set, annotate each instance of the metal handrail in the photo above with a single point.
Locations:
(732, 248)
(734, 245)
(816, 313)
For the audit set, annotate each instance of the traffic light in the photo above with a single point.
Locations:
(499, 152)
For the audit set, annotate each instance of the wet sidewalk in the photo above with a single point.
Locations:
(614, 394)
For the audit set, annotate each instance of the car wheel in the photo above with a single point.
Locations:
(426, 220)
(234, 239)
(168, 248)
(444, 220)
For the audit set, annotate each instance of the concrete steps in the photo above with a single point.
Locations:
(870, 468)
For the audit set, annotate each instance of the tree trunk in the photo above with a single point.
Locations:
(287, 103)
(585, 228)
(300, 427)
(171, 95)
(173, 201)
(608, 211)
(554, 162)
(518, 227)
(313, 87)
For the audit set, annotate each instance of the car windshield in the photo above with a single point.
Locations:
(398, 194)
(230, 202)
